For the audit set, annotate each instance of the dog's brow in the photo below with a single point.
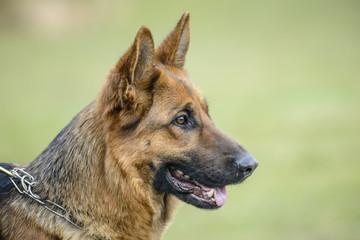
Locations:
(185, 84)
(182, 81)
(182, 107)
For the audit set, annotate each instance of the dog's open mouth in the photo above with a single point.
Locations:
(214, 196)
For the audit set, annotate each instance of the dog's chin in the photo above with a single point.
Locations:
(193, 192)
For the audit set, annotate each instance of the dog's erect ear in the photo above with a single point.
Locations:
(173, 49)
(140, 62)
(119, 90)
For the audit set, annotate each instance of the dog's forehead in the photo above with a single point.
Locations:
(177, 84)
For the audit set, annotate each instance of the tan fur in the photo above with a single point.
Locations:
(102, 166)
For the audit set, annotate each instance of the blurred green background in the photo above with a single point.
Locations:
(282, 77)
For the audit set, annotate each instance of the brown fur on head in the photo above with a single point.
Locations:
(128, 92)
(144, 98)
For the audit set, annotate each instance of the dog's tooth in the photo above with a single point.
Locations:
(186, 176)
(210, 193)
(180, 172)
(213, 199)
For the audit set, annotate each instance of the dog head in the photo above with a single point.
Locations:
(158, 127)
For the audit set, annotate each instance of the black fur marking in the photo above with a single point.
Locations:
(152, 81)
(131, 125)
(152, 167)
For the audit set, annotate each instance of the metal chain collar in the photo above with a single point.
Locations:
(27, 181)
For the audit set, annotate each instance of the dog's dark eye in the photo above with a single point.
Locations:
(182, 120)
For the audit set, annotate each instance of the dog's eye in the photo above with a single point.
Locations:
(182, 120)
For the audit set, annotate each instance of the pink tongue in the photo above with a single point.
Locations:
(220, 196)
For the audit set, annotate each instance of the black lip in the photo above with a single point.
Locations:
(186, 196)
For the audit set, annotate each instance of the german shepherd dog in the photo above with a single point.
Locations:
(121, 166)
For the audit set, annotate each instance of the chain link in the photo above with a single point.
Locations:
(27, 182)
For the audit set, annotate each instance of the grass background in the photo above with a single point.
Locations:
(282, 77)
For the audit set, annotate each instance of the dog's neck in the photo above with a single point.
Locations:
(77, 172)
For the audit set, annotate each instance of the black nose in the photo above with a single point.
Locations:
(246, 164)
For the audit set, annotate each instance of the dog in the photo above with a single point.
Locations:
(120, 168)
